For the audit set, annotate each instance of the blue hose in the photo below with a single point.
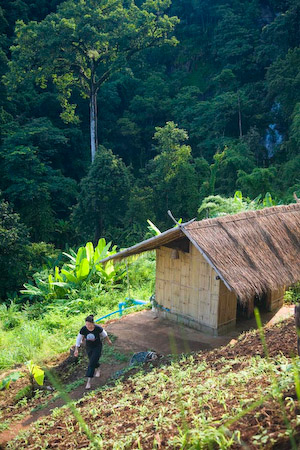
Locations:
(123, 307)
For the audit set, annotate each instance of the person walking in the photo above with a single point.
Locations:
(93, 334)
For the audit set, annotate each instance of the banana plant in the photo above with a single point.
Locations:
(54, 287)
(82, 266)
(109, 274)
(85, 263)
(35, 373)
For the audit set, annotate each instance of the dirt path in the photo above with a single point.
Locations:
(137, 332)
(107, 370)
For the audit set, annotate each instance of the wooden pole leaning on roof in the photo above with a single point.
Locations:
(177, 223)
(297, 323)
(296, 198)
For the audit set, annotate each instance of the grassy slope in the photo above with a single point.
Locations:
(228, 398)
(42, 331)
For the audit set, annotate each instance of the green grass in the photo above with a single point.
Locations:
(38, 340)
(43, 330)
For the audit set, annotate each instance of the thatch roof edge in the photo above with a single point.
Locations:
(147, 245)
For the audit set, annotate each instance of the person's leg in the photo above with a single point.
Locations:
(90, 369)
(88, 383)
(97, 365)
(94, 355)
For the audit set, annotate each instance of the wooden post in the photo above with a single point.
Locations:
(240, 115)
(250, 308)
(297, 323)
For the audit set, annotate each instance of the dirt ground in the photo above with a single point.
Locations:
(142, 331)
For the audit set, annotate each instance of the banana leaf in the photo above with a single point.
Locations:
(72, 258)
(69, 276)
(89, 248)
(83, 269)
(31, 290)
(37, 373)
(81, 254)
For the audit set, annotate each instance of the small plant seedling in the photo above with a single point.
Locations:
(35, 373)
(5, 382)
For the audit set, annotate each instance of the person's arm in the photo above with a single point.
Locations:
(104, 337)
(77, 345)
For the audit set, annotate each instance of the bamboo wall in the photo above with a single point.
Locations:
(275, 298)
(188, 288)
(227, 308)
(188, 292)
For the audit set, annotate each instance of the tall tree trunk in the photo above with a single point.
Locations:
(240, 115)
(93, 122)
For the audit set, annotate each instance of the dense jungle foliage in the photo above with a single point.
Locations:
(209, 107)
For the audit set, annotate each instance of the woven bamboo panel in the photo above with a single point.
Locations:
(227, 306)
(187, 285)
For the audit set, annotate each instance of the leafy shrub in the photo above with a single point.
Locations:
(141, 271)
(292, 295)
(10, 316)
(42, 254)
(216, 205)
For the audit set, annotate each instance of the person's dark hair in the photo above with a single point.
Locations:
(90, 318)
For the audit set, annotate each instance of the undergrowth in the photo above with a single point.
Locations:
(43, 329)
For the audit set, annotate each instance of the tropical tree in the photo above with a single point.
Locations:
(14, 250)
(82, 45)
(103, 197)
(172, 174)
(259, 181)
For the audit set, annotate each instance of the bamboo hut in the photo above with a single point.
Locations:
(205, 269)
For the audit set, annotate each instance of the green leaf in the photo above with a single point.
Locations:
(69, 276)
(50, 282)
(100, 246)
(83, 270)
(102, 250)
(238, 195)
(31, 290)
(89, 251)
(109, 267)
(4, 384)
(61, 284)
(81, 254)
(268, 201)
(72, 258)
(57, 275)
(38, 375)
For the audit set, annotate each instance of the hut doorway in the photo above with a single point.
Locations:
(247, 311)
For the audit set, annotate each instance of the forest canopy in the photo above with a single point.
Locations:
(181, 101)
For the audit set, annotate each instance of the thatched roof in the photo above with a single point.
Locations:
(251, 251)
(255, 250)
